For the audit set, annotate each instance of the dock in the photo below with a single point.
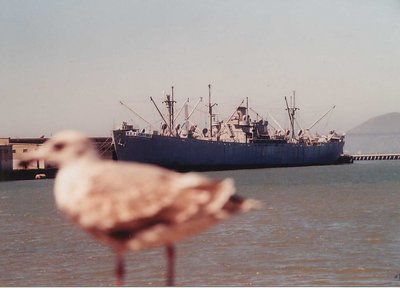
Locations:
(365, 157)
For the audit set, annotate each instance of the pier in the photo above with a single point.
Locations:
(364, 157)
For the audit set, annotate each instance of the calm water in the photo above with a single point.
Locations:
(329, 225)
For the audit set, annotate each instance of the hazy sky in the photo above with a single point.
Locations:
(66, 64)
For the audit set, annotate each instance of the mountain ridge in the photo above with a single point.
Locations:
(382, 124)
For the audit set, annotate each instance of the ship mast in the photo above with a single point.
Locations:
(210, 106)
(292, 112)
(169, 102)
(172, 108)
(159, 112)
(247, 110)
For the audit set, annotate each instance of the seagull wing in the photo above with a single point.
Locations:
(122, 193)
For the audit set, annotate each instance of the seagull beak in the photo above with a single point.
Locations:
(33, 156)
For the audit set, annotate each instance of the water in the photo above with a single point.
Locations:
(326, 225)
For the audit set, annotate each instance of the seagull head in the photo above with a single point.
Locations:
(62, 149)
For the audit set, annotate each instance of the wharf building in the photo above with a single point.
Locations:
(13, 149)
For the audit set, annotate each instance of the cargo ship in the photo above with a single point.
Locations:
(238, 143)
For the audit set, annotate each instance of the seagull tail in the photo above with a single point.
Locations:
(250, 204)
(238, 204)
(221, 192)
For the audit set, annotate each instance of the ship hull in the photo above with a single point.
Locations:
(200, 155)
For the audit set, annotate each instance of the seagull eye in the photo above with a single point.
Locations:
(59, 146)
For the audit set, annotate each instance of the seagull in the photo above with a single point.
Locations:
(133, 206)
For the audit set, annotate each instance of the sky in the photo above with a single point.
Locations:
(67, 64)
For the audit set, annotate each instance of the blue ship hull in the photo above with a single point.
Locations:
(185, 154)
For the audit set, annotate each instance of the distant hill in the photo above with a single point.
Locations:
(383, 124)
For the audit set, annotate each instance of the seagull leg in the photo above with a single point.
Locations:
(119, 270)
(170, 249)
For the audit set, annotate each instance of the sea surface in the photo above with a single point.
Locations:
(322, 225)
